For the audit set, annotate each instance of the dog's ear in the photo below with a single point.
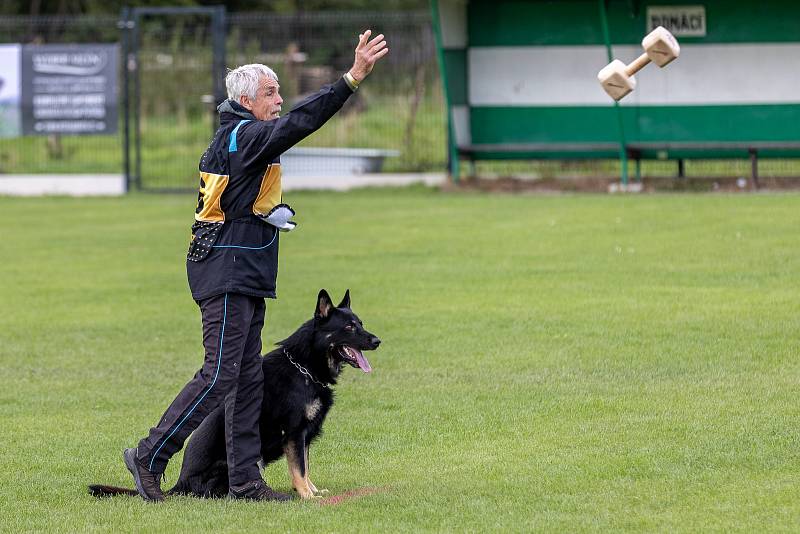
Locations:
(345, 300)
(324, 305)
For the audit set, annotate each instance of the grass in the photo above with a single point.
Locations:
(562, 363)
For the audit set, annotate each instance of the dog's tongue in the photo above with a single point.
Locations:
(362, 361)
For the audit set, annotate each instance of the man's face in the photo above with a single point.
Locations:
(267, 104)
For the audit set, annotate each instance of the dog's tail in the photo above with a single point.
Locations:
(101, 490)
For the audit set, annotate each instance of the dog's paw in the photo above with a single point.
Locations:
(316, 491)
(305, 493)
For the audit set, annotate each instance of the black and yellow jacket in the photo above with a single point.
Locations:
(234, 246)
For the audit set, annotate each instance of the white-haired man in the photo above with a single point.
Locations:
(232, 266)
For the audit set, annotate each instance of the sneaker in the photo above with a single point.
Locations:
(147, 484)
(257, 490)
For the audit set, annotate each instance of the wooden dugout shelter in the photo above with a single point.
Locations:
(520, 79)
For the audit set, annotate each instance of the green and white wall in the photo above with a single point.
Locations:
(525, 71)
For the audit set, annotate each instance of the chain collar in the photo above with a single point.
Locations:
(303, 370)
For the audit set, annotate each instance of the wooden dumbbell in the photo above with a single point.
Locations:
(660, 47)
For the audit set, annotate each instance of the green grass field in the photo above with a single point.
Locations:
(549, 363)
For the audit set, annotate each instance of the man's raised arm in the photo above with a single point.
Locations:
(275, 137)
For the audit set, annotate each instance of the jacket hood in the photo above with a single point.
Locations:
(231, 106)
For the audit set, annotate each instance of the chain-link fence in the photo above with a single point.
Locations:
(399, 110)
(59, 153)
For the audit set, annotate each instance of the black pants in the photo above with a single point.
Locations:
(231, 372)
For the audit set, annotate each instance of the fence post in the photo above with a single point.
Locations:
(124, 26)
(218, 26)
(137, 98)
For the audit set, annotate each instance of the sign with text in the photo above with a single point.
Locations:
(687, 21)
(69, 89)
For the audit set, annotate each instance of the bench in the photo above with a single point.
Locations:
(679, 151)
(539, 150)
(500, 151)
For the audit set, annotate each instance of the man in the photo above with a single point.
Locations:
(232, 266)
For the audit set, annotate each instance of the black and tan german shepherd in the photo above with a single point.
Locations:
(298, 393)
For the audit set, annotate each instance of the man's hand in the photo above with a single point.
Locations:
(368, 52)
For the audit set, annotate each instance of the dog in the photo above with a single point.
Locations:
(299, 377)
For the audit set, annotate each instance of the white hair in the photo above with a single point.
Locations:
(244, 80)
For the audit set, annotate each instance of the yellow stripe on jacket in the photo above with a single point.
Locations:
(269, 195)
(208, 203)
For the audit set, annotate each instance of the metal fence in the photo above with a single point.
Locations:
(399, 109)
(401, 106)
(55, 153)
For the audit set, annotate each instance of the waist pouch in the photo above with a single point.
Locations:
(204, 235)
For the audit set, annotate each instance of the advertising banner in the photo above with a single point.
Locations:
(69, 89)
